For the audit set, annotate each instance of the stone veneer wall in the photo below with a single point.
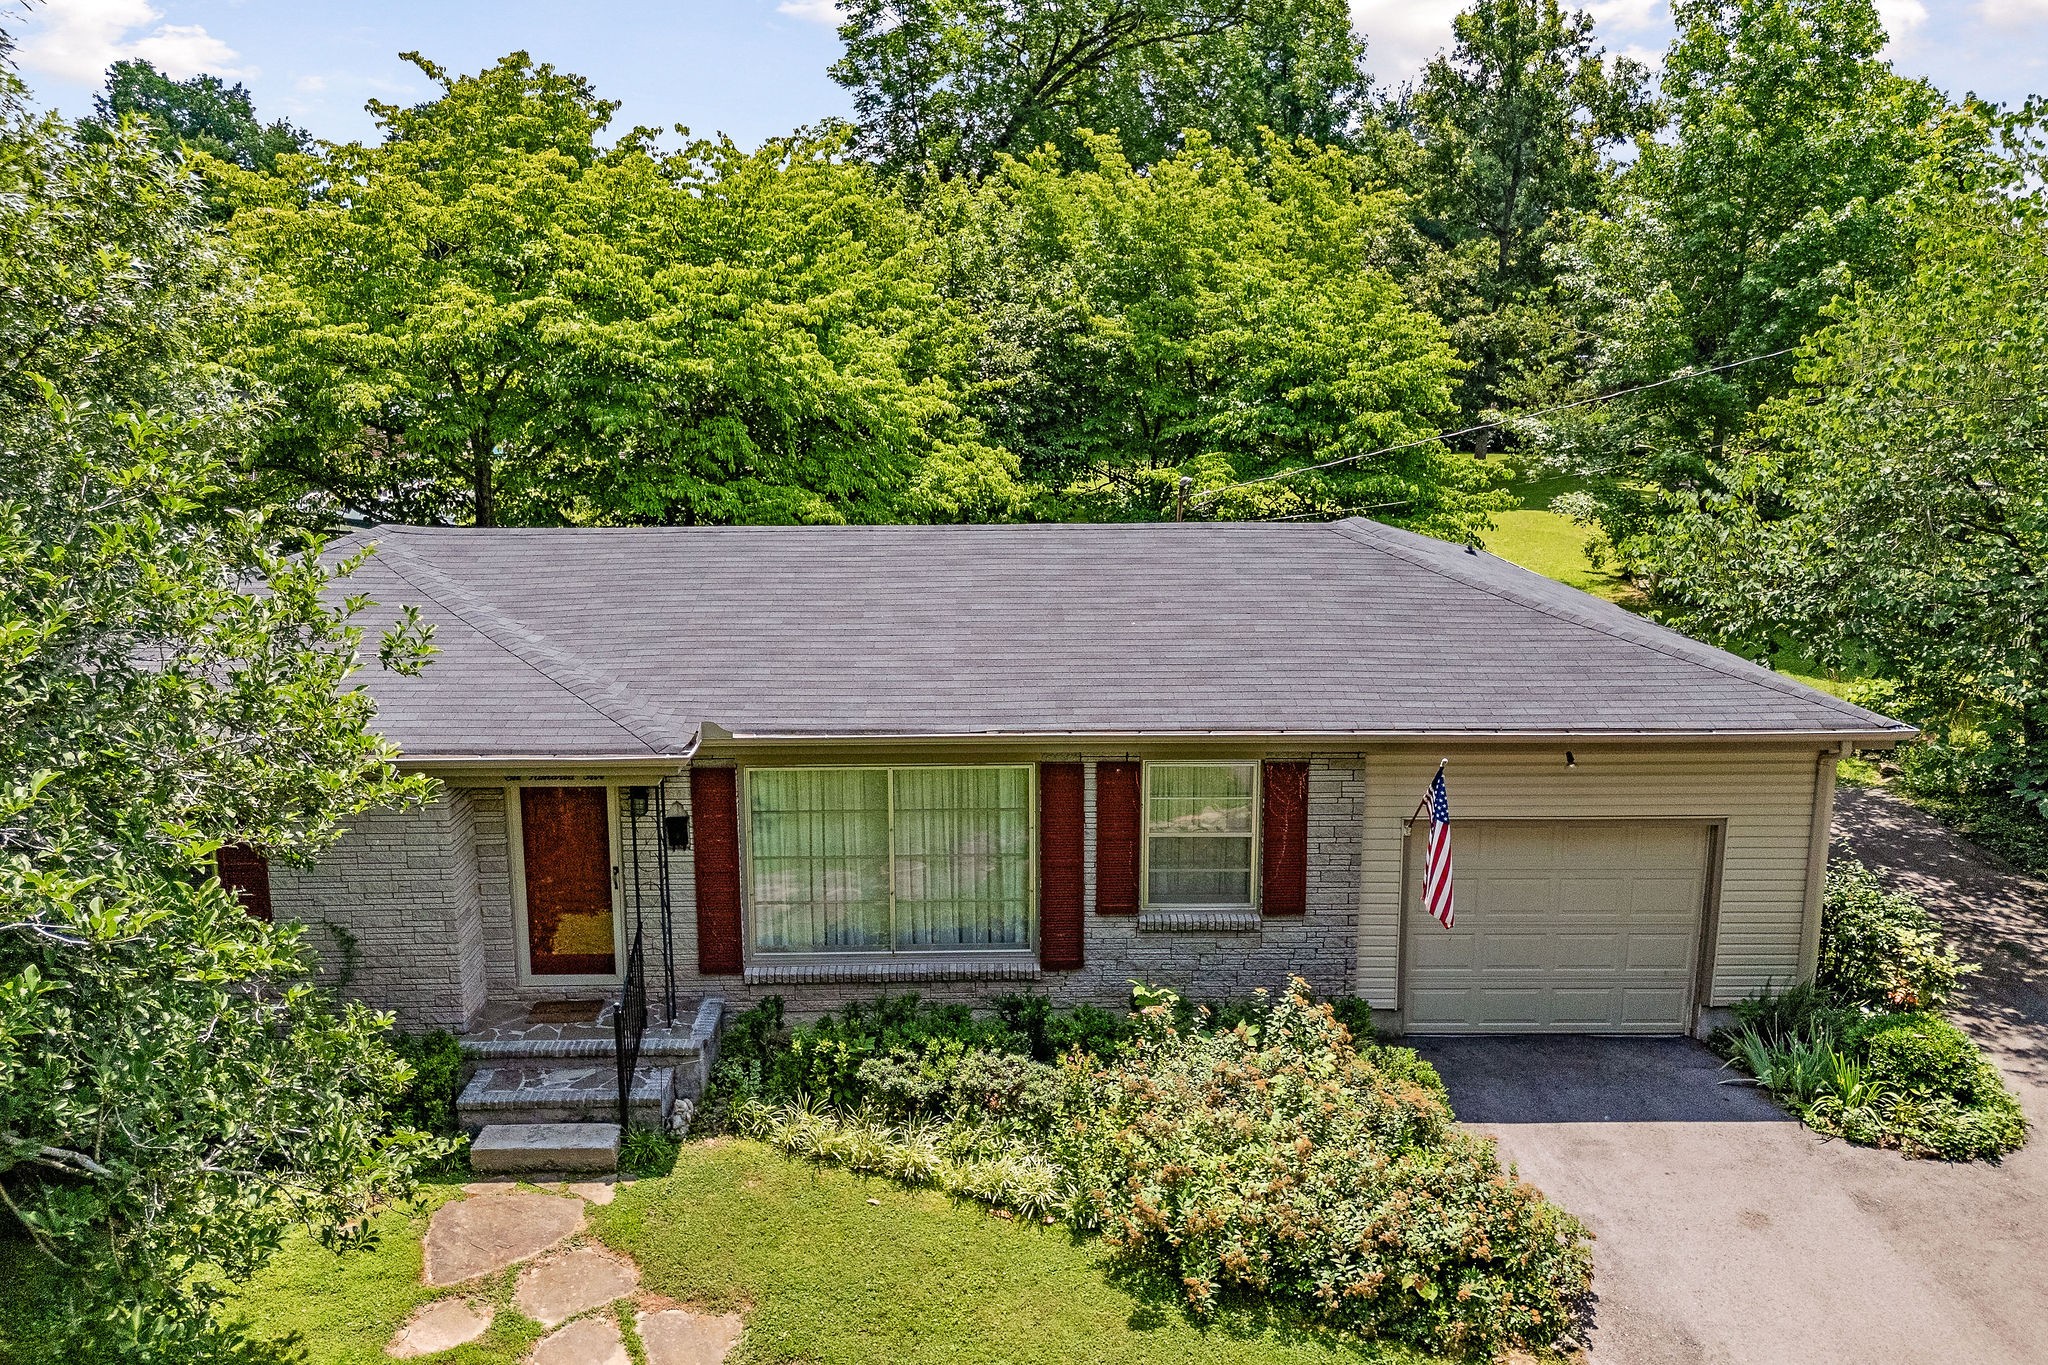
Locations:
(427, 897)
(395, 914)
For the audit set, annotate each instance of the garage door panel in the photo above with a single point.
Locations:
(1565, 925)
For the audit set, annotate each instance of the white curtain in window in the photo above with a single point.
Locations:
(819, 845)
(963, 857)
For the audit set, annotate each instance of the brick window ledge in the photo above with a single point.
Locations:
(1198, 921)
(916, 970)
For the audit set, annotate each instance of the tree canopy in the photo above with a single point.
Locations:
(950, 86)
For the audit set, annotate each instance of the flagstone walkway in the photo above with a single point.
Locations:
(567, 1283)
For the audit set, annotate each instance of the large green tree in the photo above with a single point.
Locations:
(1516, 124)
(1890, 513)
(174, 1095)
(201, 113)
(1786, 174)
(949, 86)
(491, 316)
(1209, 317)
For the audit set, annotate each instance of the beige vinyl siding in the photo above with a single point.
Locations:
(1764, 796)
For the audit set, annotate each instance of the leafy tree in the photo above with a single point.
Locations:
(490, 315)
(951, 85)
(202, 113)
(1197, 319)
(1515, 125)
(1892, 514)
(1793, 153)
(174, 1096)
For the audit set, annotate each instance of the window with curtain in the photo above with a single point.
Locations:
(853, 860)
(1200, 823)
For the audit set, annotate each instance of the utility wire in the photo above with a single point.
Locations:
(1684, 374)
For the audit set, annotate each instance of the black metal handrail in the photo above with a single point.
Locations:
(629, 1028)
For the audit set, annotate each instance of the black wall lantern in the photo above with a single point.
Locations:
(676, 829)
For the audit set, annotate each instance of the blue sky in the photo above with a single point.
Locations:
(753, 68)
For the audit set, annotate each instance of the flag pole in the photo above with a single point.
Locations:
(1409, 823)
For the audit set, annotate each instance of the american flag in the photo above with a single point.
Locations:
(1436, 859)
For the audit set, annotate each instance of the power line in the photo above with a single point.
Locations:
(1684, 374)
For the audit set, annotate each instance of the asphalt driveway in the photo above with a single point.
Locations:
(1726, 1232)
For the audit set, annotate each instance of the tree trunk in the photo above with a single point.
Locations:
(486, 491)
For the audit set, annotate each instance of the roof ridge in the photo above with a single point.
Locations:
(649, 724)
(1709, 657)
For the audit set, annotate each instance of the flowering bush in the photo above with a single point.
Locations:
(1281, 1159)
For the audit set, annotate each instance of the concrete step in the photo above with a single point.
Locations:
(690, 1047)
(534, 1147)
(564, 1092)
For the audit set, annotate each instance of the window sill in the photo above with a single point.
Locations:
(1238, 921)
(1019, 968)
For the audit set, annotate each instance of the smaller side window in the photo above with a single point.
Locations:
(1200, 823)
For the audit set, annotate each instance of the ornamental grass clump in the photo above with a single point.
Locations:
(1280, 1160)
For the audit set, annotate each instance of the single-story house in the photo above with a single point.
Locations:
(827, 763)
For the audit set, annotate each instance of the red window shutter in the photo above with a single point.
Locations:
(1061, 817)
(1119, 826)
(715, 804)
(245, 872)
(1283, 839)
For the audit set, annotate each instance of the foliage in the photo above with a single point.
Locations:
(532, 328)
(173, 676)
(1880, 948)
(1208, 318)
(949, 87)
(201, 113)
(1789, 169)
(647, 1154)
(1892, 511)
(1860, 1053)
(428, 1101)
(1286, 1162)
(1515, 124)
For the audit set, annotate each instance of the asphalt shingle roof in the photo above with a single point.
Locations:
(624, 642)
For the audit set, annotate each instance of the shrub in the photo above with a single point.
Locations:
(428, 1100)
(647, 1153)
(1881, 948)
(1912, 1081)
(1282, 1160)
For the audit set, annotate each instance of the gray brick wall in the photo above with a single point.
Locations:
(398, 879)
(394, 914)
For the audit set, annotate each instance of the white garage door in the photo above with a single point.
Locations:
(1563, 926)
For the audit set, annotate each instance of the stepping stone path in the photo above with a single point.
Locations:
(557, 1288)
(477, 1236)
(500, 1225)
(440, 1326)
(676, 1336)
(586, 1341)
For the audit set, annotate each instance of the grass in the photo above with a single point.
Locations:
(828, 1267)
(834, 1268)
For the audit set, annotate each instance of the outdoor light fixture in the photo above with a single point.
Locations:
(676, 829)
(636, 799)
(1569, 761)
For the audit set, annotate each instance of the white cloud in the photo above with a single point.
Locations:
(1901, 16)
(816, 11)
(2013, 13)
(77, 40)
(310, 85)
(1402, 35)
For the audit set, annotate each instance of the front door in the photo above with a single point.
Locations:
(565, 843)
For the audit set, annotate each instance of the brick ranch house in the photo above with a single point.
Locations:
(831, 762)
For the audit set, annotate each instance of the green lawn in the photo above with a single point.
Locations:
(828, 1267)
(1537, 538)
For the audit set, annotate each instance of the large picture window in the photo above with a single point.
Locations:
(877, 860)
(1201, 820)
